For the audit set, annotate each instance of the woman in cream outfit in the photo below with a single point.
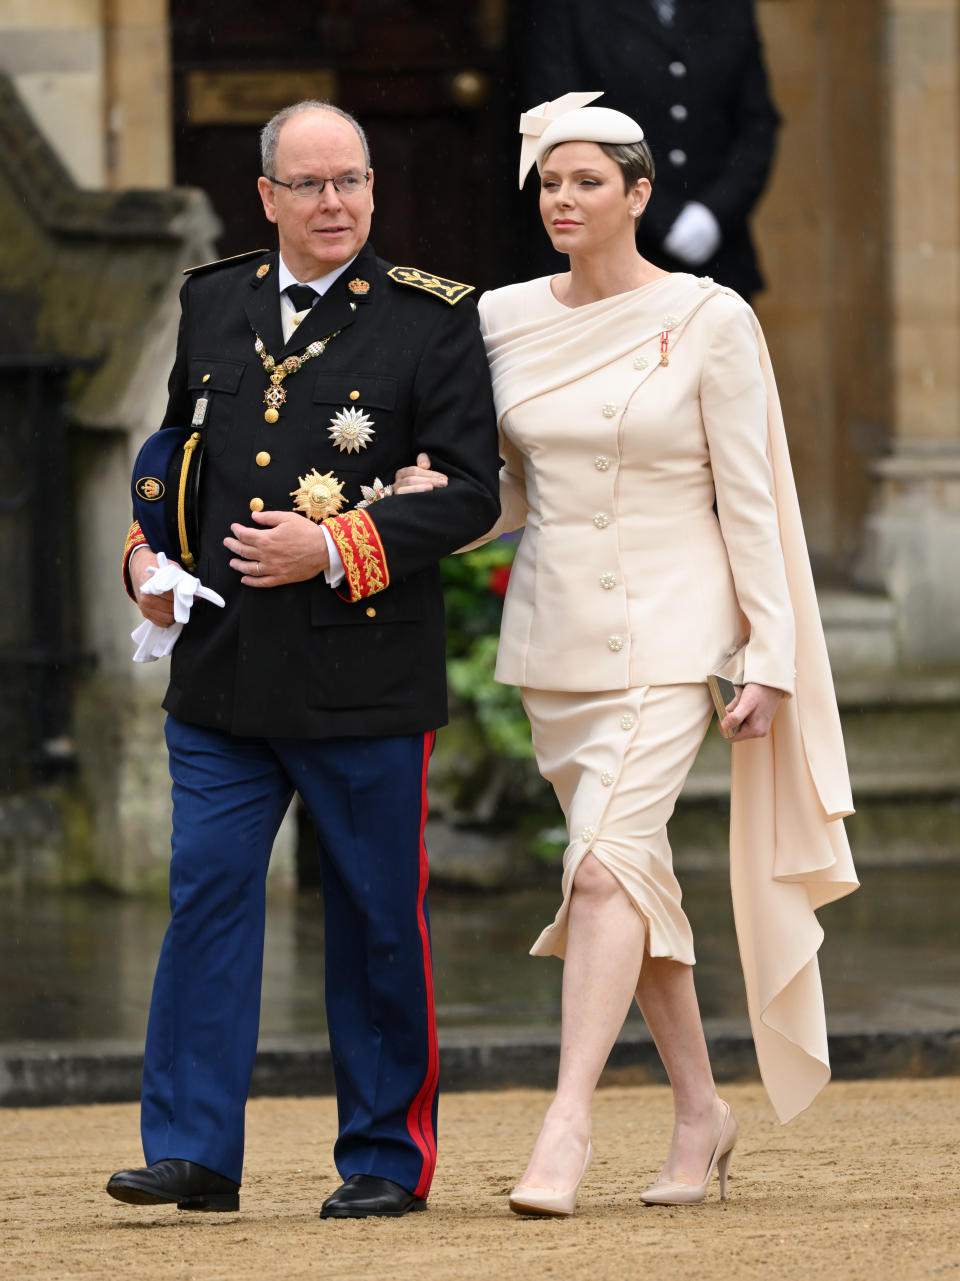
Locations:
(628, 399)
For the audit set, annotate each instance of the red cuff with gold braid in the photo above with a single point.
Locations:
(360, 548)
(135, 538)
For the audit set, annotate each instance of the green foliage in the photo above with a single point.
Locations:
(473, 585)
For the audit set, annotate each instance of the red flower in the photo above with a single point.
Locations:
(499, 577)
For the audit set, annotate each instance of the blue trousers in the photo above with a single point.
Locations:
(367, 799)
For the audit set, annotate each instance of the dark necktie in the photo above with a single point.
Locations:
(302, 296)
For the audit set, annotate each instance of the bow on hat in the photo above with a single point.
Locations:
(534, 122)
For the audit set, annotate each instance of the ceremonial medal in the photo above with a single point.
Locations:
(352, 430)
(664, 347)
(318, 496)
(373, 493)
(275, 395)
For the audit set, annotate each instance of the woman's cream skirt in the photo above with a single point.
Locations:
(617, 761)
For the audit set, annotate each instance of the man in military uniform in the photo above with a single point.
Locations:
(310, 375)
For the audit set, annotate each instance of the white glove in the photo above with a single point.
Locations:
(695, 235)
(155, 642)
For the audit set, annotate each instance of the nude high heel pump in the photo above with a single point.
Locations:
(669, 1192)
(529, 1200)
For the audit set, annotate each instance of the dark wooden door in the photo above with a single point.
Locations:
(428, 79)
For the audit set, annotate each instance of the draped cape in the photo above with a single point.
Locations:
(790, 790)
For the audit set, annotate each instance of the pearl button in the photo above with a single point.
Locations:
(263, 459)
(601, 462)
(679, 111)
(670, 322)
(615, 643)
(678, 69)
(608, 581)
(256, 504)
(677, 157)
(608, 410)
(587, 834)
(704, 281)
(640, 362)
(606, 778)
(627, 720)
(601, 520)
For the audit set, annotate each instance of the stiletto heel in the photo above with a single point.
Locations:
(529, 1200)
(672, 1192)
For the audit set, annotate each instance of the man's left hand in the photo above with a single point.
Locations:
(286, 548)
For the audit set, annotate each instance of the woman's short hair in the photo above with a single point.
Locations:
(270, 132)
(634, 158)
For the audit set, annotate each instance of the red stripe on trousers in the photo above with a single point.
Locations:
(420, 1114)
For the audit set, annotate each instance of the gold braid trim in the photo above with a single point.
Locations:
(135, 538)
(360, 548)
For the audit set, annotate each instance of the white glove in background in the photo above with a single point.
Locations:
(695, 235)
(155, 642)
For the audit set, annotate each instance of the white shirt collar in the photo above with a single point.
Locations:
(321, 284)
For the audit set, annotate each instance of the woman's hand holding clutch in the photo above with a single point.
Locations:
(418, 479)
(751, 713)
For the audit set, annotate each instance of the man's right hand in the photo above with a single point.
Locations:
(419, 479)
(157, 609)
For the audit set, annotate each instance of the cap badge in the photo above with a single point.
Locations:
(318, 496)
(351, 430)
(149, 488)
(359, 287)
(262, 271)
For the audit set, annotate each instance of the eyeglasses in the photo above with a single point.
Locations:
(347, 184)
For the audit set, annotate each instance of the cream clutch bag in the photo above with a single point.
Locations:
(726, 678)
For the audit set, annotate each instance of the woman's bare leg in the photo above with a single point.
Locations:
(668, 1001)
(605, 943)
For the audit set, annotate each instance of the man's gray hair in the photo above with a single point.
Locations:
(270, 132)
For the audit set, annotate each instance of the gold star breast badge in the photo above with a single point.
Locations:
(318, 496)
(351, 430)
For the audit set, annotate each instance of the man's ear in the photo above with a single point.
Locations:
(268, 194)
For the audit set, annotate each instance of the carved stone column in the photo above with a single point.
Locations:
(911, 544)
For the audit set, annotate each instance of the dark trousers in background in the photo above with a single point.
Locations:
(367, 800)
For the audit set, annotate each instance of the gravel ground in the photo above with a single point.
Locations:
(864, 1185)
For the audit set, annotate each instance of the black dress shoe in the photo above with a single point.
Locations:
(192, 1187)
(364, 1196)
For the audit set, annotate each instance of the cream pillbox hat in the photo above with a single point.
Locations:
(569, 119)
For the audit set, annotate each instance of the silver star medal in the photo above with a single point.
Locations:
(351, 430)
(373, 493)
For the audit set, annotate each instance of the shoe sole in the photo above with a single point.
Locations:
(373, 1214)
(215, 1202)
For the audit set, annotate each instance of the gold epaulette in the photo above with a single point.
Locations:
(450, 291)
(224, 262)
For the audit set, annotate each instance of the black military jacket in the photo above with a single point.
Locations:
(699, 90)
(303, 660)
